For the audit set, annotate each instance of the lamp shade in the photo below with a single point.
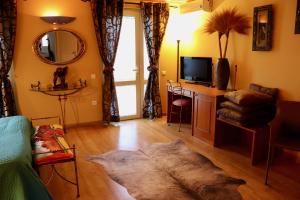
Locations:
(58, 19)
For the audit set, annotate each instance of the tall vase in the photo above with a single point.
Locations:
(222, 73)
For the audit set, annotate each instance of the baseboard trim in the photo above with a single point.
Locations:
(84, 124)
(93, 123)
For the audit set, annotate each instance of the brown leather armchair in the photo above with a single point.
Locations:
(285, 130)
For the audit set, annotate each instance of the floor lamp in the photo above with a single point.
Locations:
(178, 45)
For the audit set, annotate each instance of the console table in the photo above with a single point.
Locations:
(62, 94)
(203, 116)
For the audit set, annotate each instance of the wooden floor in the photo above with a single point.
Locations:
(133, 134)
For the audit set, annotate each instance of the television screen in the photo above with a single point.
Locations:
(196, 69)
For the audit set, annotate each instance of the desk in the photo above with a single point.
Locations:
(203, 112)
(218, 132)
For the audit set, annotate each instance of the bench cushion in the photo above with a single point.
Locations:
(50, 145)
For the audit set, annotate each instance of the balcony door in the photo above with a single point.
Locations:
(131, 66)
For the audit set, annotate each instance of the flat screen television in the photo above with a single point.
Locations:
(196, 69)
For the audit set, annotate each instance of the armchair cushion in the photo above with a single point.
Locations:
(290, 130)
(273, 92)
(248, 98)
(247, 109)
(288, 143)
(248, 119)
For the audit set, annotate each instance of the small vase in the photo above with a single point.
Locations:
(222, 73)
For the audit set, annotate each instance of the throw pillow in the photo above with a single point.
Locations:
(248, 98)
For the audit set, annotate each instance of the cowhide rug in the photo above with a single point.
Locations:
(168, 171)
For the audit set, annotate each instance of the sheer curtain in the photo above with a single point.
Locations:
(8, 17)
(155, 18)
(107, 15)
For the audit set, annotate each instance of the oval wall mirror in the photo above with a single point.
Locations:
(59, 47)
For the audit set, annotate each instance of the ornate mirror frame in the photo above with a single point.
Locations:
(262, 32)
(82, 46)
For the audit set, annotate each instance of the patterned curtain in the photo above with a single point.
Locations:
(107, 15)
(155, 18)
(8, 17)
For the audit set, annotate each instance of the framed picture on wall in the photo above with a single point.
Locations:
(297, 24)
(262, 28)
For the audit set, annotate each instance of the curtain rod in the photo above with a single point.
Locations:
(132, 3)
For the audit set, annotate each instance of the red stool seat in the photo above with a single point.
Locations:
(182, 102)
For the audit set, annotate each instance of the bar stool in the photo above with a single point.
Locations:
(177, 100)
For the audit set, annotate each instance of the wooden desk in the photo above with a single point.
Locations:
(218, 132)
(203, 111)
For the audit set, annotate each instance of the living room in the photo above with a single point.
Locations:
(83, 118)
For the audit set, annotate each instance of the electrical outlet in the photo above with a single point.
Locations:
(93, 76)
(94, 102)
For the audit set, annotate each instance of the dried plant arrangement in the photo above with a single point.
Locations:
(225, 21)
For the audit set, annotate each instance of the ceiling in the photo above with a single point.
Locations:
(173, 2)
(177, 2)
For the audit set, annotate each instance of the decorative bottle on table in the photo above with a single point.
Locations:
(59, 79)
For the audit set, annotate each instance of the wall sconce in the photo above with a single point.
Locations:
(58, 19)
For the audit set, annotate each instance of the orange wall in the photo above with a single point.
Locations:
(277, 68)
(28, 68)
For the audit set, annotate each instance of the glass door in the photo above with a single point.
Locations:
(129, 66)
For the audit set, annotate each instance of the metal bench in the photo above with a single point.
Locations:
(51, 148)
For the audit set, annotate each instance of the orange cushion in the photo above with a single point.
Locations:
(50, 145)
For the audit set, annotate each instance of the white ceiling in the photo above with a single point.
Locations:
(172, 2)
